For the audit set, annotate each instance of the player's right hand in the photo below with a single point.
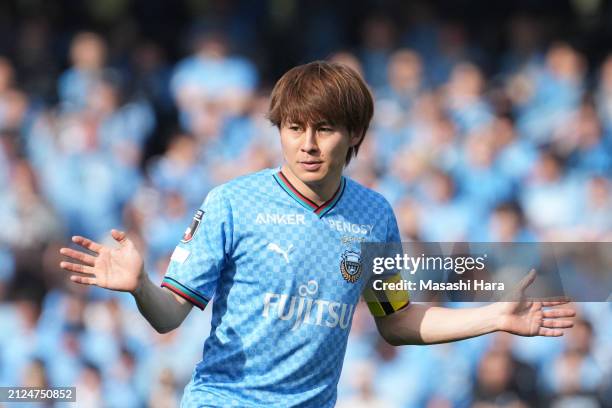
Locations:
(118, 268)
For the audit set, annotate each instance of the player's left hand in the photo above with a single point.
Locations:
(523, 317)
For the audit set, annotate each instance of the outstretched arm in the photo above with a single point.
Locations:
(122, 269)
(420, 324)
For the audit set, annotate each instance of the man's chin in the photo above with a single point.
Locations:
(311, 176)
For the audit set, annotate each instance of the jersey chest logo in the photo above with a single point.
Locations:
(273, 247)
(350, 266)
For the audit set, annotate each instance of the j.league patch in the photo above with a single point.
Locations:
(191, 230)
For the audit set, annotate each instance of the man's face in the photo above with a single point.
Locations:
(315, 153)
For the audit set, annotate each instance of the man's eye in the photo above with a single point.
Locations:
(326, 129)
(295, 128)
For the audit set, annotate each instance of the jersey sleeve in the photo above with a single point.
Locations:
(199, 257)
(384, 302)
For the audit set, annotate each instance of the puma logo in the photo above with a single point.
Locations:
(276, 248)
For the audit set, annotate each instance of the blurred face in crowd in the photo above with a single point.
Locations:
(503, 129)
(405, 71)
(480, 149)
(599, 192)
(580, 338)
(103, 98)
(588, 127)
(211, 46)
(88, 51)
(548, 169)
(408, 219)
(348, 59)
(494, 372)
(35, 375)
(564, 62)
(606, 74)
(378, 33)
(466, 81)
(6, 74)
(441, 187)
(505, 224)
(15, 108)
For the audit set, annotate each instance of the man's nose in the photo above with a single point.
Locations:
(310, 140)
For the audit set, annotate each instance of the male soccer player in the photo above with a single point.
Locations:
(279, 252)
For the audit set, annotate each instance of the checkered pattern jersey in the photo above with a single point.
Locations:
(285, 278)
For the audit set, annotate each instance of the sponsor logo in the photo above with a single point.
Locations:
(348, 240)
(193, 227)
(306, 309)
(289, 219)
(276, 248)
(350, 266)
(343, 226)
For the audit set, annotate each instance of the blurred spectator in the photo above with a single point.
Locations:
(364, 375)
(478, 177)
(378, 33)
(494, 382)
(89, 387)
(404, 78)
(576, 377)
(180, 170)
(24, 210)
(464, 100)
(164, 394)
(507, 224)
(211, 76)
(37, 58)
(523, 53)
(603, 96)
(88, 58)
(545, 96)
(515, 155)
(597, 209)
(544, 198)
(583, 142)
(445, 215)
(151, 73)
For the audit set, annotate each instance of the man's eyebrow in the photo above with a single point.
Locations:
(293, 122)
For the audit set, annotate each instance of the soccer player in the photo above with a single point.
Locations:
(279, 253)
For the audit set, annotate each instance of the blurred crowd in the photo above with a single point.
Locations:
(521, 151)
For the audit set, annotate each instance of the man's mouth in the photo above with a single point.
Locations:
(311, 165)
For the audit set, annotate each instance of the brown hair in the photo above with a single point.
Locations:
(320, 90)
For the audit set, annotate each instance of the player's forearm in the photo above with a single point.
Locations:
(159, 306)
(420, 324)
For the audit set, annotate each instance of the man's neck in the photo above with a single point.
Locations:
(318, 193)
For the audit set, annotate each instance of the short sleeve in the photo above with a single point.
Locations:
(199, 258)
(378, 293)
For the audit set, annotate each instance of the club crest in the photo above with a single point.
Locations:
(350, 266)
(193, 227)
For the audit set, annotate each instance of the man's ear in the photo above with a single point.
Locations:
(355, 138)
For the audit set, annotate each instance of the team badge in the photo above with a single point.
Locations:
(193, 227)
(350, 266)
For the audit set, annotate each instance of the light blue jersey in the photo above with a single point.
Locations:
(285, 276)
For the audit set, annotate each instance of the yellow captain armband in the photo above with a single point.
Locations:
(385, 295)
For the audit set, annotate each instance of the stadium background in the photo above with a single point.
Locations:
(492, 123)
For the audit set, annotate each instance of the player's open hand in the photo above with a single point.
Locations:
(118, 268)
(520, 316)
